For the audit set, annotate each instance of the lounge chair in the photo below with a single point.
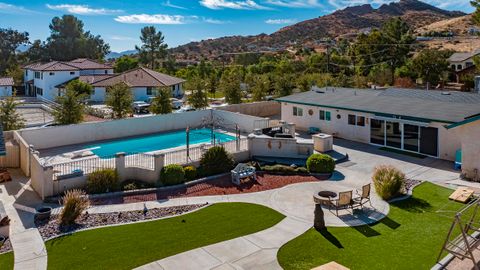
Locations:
(363, 197)
(344, 201)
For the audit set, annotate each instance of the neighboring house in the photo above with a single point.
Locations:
(405, 119)
(47, 81)
(142, 81)
(41, 79)
(6, 86)
(462, 60)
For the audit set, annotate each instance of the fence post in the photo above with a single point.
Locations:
(47, 182)
(120, 165)
(159, 162)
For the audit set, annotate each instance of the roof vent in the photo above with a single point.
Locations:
(446, 93)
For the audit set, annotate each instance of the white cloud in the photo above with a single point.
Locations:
(215, 21)
(280, 21)
(220, 4)
(151, 19)
(12, 9)
(169, 4)
(295, 3)
(122, 38)
(83, 9)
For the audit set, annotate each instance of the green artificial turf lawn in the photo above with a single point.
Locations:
(410, 237)
(133, 245)
(6, 261)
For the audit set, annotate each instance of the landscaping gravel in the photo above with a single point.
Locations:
(219, 186)
(6, 247)
(410, 183)
(51, 228)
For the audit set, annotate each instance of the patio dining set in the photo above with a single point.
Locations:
(344, 199)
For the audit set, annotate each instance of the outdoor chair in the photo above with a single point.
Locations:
(344, 201)
(242, 171)
(363, 197)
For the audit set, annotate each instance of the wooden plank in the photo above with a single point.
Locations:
(461, 194)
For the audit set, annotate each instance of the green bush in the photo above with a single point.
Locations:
(105, 180)
(190, 173)
(74, 203)
(216, 160)
(284, 169)
(320, 163)
(135, 184)
(172, 174)
(388, 181)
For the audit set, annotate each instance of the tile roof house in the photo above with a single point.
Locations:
(48, 80)
(462, 60)
(6, 86)
(405, 119)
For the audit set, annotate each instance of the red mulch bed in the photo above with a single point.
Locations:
(219, 186)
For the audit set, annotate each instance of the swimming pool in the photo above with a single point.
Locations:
(155, 142)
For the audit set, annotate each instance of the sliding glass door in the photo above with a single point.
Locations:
(411, 136)
(393, 134)
(377, 131)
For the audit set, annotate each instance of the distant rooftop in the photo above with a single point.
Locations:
(462, 56)
(7, 81)
(77, 64)
(140, 77)
(432, 105)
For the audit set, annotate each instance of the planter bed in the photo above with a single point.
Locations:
(51, 228)
(214, 186)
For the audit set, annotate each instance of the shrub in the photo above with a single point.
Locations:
(101, 181)
(320, 163)
(74, 203)
(388, 181)
(190, 173)
(135, 184)
(284, 169)
(172, 174)
(216, 160)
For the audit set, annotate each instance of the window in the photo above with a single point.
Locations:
(37, 75)
(72, 72)
(361, 121)
(93, 92)
(297, 111)
(51, 73)
(325, 115)
(39, 91)
(459, 67)
(106, 71)
(149, 91)
(351, 119)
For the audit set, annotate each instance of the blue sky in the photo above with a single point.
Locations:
(119, 21)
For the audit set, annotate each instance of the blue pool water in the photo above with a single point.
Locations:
(156, 142)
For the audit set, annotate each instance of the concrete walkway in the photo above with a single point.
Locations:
(20, 200)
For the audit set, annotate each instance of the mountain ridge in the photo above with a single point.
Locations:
(341, 23)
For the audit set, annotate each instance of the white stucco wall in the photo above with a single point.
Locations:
(49, 82)
(98, 94)
(470, 141)
(5, 91)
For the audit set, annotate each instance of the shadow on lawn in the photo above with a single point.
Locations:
(392, 224)
(330, 237)
(414, 205)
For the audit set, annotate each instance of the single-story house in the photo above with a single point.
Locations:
(6, 86)
(410, 120)
(143, 82)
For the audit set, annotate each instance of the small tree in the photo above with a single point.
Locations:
(119, 98)
(70, 108)
(161, 103)
(198, 98)
(82, 89)
(9, 117)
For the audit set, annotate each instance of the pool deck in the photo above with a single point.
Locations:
(59, 154)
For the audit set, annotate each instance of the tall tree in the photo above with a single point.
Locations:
(230, 86)
(153, 48)
(9, 117)
(125, 63)
(68, 40)
(161, 103)
(284, 85)
(119, 98)
(198, 98)
(70, 108)
(261, 83)
(9, 41)
(430, 65)
(476, 13)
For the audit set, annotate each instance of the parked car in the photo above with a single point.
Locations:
(140, 107)
(185, 109)
(176, 103)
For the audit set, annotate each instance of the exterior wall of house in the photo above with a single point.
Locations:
(461, 65)
(5, 91)
(96, 71)
(48, 81)
(470, 145)
(98, 94)
(448, 141)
